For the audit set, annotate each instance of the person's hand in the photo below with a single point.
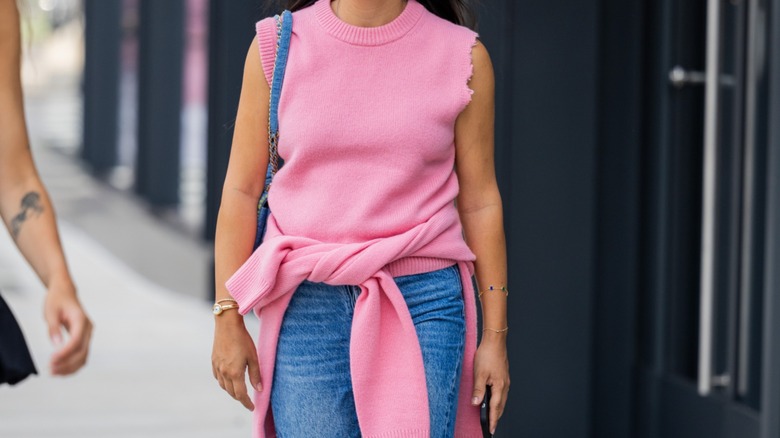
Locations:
(62, 309)
(491, 367)
(233, 353)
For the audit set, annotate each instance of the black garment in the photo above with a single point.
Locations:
(16, 364)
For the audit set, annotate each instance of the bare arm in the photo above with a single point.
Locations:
(24, 204)
(26, 209)
(237, 218)
(234, 351)
(481, 212)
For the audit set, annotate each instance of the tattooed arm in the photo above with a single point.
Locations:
(27, 212)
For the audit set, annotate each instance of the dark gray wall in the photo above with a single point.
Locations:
(231, 29)
(161, 52)
(620, 142)
(101, 83)
(546, 57)
(771, 392)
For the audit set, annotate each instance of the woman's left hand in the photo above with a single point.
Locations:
(63, 310)
(491, 368)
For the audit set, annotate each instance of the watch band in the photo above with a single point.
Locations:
(219, 308)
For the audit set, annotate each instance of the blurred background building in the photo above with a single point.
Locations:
(638, 162)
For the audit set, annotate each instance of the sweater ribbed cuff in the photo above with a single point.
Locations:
(418, 433)
(417, 265)
(246, 286)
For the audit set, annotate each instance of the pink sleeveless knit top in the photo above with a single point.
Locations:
(366, 193)
(366, 122)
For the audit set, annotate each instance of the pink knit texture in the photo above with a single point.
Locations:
(366, 193)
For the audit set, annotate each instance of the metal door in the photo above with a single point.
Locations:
(700, 359)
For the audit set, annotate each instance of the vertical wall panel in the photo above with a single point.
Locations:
(770, 402)
(101, 83)
(546, 60)
(617, 256)
(160, 100)
(231, 29)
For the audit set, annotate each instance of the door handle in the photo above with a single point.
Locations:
(679, 77)
(709, 200)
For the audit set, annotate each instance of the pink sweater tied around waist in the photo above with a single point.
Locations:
(366, 120)
(388, 375)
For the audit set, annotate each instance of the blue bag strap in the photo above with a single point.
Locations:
(283, 35)
(282, 50)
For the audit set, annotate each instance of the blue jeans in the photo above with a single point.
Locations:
(312, 390)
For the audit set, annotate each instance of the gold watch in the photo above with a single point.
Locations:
(219, 307)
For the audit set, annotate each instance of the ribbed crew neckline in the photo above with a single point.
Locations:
(368, 36)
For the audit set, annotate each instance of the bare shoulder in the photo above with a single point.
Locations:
(253, 66)
(482, 80)
(253, 55)
(480, 59)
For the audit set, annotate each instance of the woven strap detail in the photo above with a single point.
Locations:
(283, 35)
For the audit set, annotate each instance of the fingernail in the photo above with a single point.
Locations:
(57, 339)
(475, 400)
(259, 387)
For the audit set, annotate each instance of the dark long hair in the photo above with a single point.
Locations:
(457, 11)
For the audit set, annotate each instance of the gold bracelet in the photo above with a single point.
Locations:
(504, 330)
(226, 299)
(492, 288)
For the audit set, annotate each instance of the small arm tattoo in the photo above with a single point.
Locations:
(31, 207)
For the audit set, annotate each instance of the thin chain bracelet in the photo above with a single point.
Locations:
(492, 288)
(504, 330)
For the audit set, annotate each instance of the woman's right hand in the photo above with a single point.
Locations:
(233, 353)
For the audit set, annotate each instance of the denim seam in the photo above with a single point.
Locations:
(457, 377)
(349, 296)
(354, 291)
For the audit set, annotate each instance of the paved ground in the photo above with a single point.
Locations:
(164, 251)
(144, 282)
(149, 373)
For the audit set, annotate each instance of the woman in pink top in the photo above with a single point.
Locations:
(386, 206)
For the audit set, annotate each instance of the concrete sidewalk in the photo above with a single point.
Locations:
(149, 373)
(143, 281)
